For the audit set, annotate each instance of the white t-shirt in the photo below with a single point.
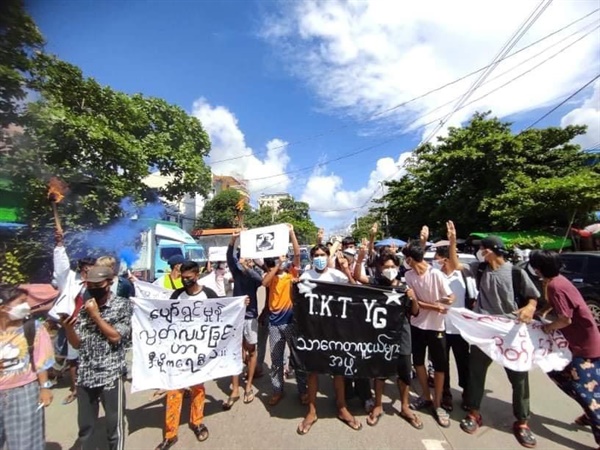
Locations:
(429, 288)
(458, 287)
(332, 275)
(199, 296)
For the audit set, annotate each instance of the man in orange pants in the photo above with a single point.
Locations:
(191, 290)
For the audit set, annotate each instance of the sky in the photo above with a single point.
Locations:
(326, 99)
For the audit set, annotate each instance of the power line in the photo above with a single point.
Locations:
(379, 144)
(516, 37)
(420, 96)
(563, 102)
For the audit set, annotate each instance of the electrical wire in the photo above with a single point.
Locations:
(420, 96)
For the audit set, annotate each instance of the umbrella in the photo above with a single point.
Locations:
(390, 242)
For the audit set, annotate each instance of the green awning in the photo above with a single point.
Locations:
(510, 237)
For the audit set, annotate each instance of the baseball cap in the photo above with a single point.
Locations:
(175, 259)
(97, 274)
(493, 243)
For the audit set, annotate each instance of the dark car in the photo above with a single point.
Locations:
(583, 269)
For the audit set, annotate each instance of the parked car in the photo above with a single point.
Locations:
(583, 269)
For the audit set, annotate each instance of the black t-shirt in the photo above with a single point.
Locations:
(405, 341)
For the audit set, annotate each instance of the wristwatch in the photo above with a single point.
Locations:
(46, 384)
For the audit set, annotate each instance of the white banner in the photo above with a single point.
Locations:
(181, 343)
(144, 289)
(512, 344)
(265, 242)
(217, 254)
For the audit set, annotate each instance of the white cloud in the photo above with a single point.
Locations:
(327, 197)
(231, 156)
(363, 57)
(587, 114)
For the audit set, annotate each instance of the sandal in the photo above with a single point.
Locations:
(441, 417)
(275, 399)
(70, 398)
(230, 402)
(304, 427)
(352, 423)
(201, 432)
(413, 420)
(373, 420)
(524, 435)
(420, 403)
(583, 421)
(471, 424)
(248, 396)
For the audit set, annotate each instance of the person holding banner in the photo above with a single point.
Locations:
(580, 380)
(498, 295)
(432, 291)
(278, 281)
(190, 271)
(386, 277)
(246, 282)
(321, 271)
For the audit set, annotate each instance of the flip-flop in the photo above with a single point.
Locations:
(304, 429)
(414, 421)
(420, 403)
(352, 423)
(248, 396)
(373, 420)
(441, 417)
(230, 402)
(583, 421)
(70, 398)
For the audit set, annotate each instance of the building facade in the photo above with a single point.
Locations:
(272, 200)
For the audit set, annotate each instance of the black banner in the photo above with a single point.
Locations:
(349, 330)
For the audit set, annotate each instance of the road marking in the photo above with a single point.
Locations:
(433, 444)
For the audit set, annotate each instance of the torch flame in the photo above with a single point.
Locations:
(56, 190)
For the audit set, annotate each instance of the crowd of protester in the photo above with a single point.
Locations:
(94, 313)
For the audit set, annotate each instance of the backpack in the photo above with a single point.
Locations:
(29, 332)
(470, 297)
(517, 282)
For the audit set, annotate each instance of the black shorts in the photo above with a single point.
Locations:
(434, 342)
(404, 369)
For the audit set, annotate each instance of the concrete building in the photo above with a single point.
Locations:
(224, 182)
(272, 200)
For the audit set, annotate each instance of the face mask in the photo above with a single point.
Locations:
(188, 282)
(390, 273)
(320, 262)
(97, 293)
(436, 264)
(406, 265)
(479, 255)
(531, 270)
(19, 312)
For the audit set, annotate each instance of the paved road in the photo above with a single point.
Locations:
(258, 426)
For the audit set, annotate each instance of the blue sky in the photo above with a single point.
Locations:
(298, 83)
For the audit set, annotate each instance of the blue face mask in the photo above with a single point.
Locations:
(320, 262)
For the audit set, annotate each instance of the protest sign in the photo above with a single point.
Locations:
(514, 345)
(181, 343)
(265, 242)
(144, 289)
(217, 254)
(347, 329)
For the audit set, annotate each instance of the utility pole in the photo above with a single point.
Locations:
(385, 215)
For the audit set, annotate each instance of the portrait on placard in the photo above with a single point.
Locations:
(265, 242)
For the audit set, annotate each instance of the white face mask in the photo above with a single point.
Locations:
(406, 265)
(531, 270)
(479, 255)
(390, 273)
(436, 264)
(19, 312)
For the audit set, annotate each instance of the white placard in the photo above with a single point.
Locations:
(265, 242)
(144, 289)
(182, 343)
(217, 254)
(514, 345)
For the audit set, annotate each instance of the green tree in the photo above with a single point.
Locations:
(19, 38)
(221, 211)
(297, 214)
(102, 143)
(362, 227)
(261, 217)
(485, 177)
